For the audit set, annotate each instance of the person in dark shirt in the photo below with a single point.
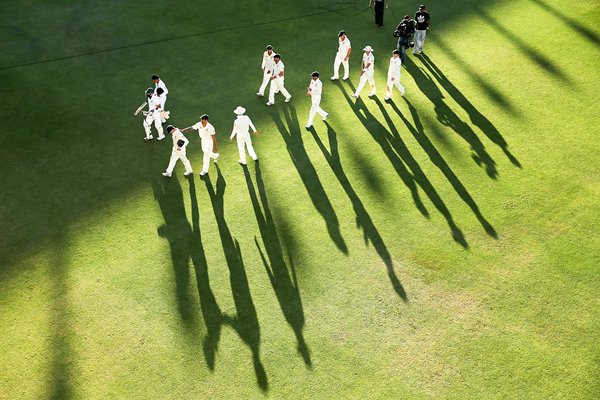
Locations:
(404, 32)
(421, 27)
(378, 7)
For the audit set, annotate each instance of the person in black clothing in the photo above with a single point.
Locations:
(404, 32)
(421, 27)
(378, 6)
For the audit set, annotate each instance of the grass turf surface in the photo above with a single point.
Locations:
(440, 246)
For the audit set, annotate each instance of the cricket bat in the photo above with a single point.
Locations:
(140, 108)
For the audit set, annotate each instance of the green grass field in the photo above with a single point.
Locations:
(442, 245)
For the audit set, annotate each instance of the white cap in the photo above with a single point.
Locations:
(239, 110)
(368, 48)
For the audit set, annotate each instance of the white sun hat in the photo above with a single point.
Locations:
(239, 110)
(368, 48)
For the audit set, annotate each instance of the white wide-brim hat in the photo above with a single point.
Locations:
(239, 110)
(368, 48)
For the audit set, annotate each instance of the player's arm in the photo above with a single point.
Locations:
(348, 54)
(233, 132)
(252, 126)
(215, 146)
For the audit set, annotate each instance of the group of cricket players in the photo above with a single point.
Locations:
(274, 76)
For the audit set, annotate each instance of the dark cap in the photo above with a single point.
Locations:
(204, 116)
(269, 47)
(160, 90)
(154, 77)
(341, 33)
(421, 7)
(396, 52)
(276, 55)
(315, 73)
(170, 128)
(407, 17)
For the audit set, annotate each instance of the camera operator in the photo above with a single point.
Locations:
(404, 32)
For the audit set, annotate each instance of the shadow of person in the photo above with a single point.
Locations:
(436, 158)
(211, 312)
(447, 117)
(285, 285)
(177, 231)
(295, 147)
(245, 322)
(363, 219)
(399, 156)
(475, 116)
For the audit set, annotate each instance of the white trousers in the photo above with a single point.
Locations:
(207, 150)
(419, 40)
(316, 108)
(155, 116)
(339, 59)
(243, 142)
(179, 155)
(266, 78)
(277, 86)
(366, 76)
(390, 86)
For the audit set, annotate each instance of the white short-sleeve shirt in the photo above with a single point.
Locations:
(277, 68)
(268, 62)
(368, 59)
(205, 132)
(394, 68)
(162, 85)
(344, 46)
(316, 87)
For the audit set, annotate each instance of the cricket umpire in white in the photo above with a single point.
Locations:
(393, 77)
(180, 142)
(153, 114)
(314, 90)
(241, 129)
(277, 81)
(267, 68)
(208, 141)
(342, 56)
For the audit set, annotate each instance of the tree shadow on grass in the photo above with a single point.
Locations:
(570, 22)
(363, 219)
(295, 147)
(399, 156)
(436, 158)
(448, 117)
(282, 278)
(245, 322)
(474, 115)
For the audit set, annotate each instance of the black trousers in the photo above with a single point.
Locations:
(379, 13)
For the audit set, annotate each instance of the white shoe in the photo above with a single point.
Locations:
(188, 173)
(203, 173)
(402, 93)
(334, 78)
(270, 104)
(308, 126)
(168, 175)
(147, 138)
(355, 95)
(260, 94)
(346, 78)
(160, 137)
(287, 100)
(216, 158)
(372, 94)
(325, 117)
(386, 98)
(255, 159)
(242, 162)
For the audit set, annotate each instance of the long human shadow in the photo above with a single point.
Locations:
(295, 147)
(245, 322)
(363, 219)
(373, 127)
(178, 232)
(448, 117)
(436, 158)
(529, 51)
(399, 156)
(284, 284)
(476, 117)
(211, 312)
(488, 88)
(569, 22)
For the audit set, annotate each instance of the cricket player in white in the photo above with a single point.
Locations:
(277, 81)
(208, 141)
(267, 68)
(178, 153)
(153, 115)
(342, 56)
(158, 83)
(366, 72)
(393, 77)
(314, 91)
(241, 128)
